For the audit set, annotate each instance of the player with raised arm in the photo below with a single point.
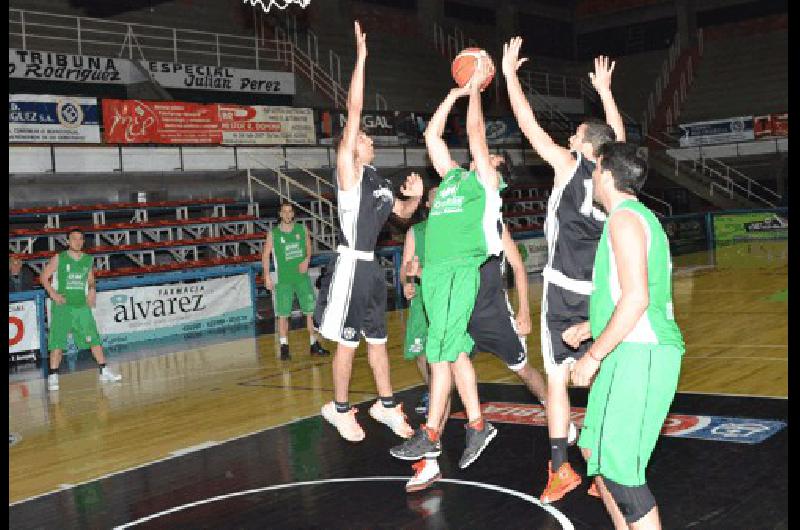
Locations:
(463, 230)
(572, 228)
(352, 298)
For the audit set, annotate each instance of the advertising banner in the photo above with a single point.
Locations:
(499, 131)
(52, 119)
(753, 225)
(155, 311)
(379, 125)
(686, 233)
(201, 77)
(52, 66)
(260, 125)
(23, 327)
(533, 253)
(738, 129)
(411, 126)
(772, 125)
(160, 122)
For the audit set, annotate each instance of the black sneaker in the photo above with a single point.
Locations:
(317, 349)
(476, 443)
(416, 447)
(285, 355)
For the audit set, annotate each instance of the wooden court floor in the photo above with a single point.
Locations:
(731, 305)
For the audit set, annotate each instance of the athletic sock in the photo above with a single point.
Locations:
(476, 424)
(342, 406)
(312, 340)
(101, 366)
(388, 402)
(558, 452)
(284, 340)
(51, 371)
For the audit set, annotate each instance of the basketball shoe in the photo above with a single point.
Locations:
(345, 422)
(393, 417)
(564, 480)
(477, 440)
(107, 376)
(317, 349)
(420, 445)
(52, 382)
(426, 472)
(285, 355)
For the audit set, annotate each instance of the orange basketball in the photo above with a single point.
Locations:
(464, 66)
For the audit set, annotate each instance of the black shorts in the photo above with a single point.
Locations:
(561, 309)
(352, 302)
(492, 325)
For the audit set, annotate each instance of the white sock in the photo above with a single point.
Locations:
(284, 340)
(312, 339)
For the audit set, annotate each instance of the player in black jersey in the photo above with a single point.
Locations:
(352, 298)
(572, 227)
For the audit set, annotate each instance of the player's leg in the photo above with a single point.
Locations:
(86, 336)
(385, 409)
(284, 296)
(414, 344)
(307, 301)
(60, 325)
(533, 380)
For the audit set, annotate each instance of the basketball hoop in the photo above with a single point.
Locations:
(266, 5)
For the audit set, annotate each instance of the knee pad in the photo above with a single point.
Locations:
(634, 501)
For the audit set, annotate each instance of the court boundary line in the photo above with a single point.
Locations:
(566, 524)
(185, 451)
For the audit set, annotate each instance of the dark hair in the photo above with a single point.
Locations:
(75, 229)
(506, 169)
(622, 160)
(597, 133)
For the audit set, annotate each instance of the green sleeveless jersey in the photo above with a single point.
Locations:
(464, 222)
(657, 325)
(72, 278)
(418, 231)
(289, 250)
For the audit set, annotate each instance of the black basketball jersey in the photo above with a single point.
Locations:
(364, 209)
(573, 226)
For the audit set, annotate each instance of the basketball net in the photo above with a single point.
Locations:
(266, 5)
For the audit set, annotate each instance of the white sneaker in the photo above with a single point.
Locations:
(345, 422)
(393, 417)
(52, 382)
(426, 472)
(572, 435)
(107, 376)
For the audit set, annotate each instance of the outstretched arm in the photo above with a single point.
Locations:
(476, 128)
(520, 282)
(558, 157)
(346, 154)
(437, 148)
(601, 81)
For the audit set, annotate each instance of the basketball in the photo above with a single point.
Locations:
(464, 66)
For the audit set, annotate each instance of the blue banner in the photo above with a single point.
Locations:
(52, 119)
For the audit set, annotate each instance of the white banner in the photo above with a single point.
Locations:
(23, 327)
(223, 78)
(51, 66)
(260, 125)
(727, 130)
(533, 252)
(52, 119)
(157, 311)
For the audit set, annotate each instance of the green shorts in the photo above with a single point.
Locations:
(76, 320)
(416, 328)
(449, 292)
(285, 290)
(628, 403)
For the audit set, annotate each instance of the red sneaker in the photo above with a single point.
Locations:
(564, 480)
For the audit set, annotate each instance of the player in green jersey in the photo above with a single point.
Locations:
(637, 349)
(69, 280)
(463, 230)
(290, 247)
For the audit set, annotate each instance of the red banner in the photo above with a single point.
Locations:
(160, 122)
(772, 125)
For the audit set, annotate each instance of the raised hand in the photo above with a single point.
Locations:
(511, 60)
(601, 77)
(361, 41)
(483, 69)
(413, 186)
